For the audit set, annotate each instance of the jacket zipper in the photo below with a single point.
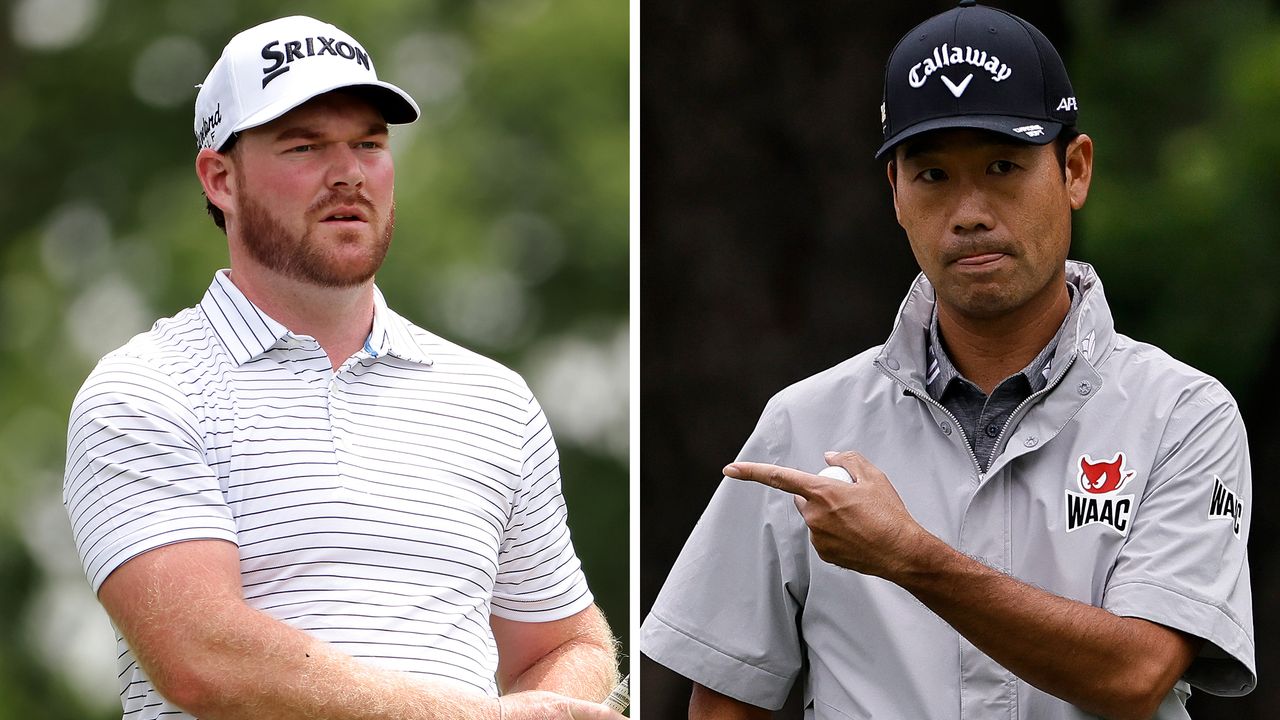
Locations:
(1033, 396)
(973, 456)
(954, 421)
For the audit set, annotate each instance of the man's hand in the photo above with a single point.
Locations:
(861, 526)
(540, 705)
(1052, 642)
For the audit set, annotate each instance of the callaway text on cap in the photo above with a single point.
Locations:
(975, 67)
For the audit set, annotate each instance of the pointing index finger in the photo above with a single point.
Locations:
(782, 478)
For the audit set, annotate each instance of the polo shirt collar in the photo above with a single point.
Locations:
(244, 331)
(942, 372)
(392, 334)
(247, 332)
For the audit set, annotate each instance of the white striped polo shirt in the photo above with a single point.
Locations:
(387, 508)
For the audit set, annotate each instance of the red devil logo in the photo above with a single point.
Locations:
(1103, 477)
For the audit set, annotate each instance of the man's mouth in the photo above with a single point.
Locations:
(345, 214)
(980, 260)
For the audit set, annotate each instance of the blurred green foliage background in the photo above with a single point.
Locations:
(1185, 207)
(512, 240)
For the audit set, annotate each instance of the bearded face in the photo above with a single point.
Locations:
(313, 192)
(326, 252)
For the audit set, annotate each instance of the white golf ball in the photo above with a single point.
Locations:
(836, 472)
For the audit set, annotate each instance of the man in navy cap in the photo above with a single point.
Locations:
(1009, 509)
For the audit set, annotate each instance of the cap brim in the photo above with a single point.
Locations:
(1033, 131)
(396, 106)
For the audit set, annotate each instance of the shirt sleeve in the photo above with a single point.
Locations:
(727, 616)
(1185, 562)
(136, 477)
(539, 575)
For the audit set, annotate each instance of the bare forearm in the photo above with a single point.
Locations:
(182, 611)
(585, 669)
(1054, 643)
(270, 671)
(259, 668)
(707, 704)
(574, 656)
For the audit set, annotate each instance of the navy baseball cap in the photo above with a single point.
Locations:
(975, 67)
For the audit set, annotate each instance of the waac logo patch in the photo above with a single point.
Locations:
(1226, 505)
(1100, 503)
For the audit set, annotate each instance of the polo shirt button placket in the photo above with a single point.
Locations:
(333, 400)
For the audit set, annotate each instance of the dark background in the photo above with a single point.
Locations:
(769, 249)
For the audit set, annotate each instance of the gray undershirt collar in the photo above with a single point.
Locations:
(983, 417)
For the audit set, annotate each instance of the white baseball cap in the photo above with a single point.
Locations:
(272, 68)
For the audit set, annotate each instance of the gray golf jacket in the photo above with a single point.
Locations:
(1124, 484)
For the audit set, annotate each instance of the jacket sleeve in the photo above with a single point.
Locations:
(1185, 563)
(727, 616)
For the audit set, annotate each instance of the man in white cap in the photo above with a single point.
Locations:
(291, 501)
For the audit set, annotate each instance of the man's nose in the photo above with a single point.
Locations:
(345, 168)
(972, 211)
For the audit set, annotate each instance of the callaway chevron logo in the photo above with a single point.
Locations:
(955, 89)
(945, 56)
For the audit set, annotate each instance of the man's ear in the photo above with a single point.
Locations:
(217, 173)
(1079, 169)
(891, 169)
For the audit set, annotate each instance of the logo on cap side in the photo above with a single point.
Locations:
(1067, 103)
(293, 52)
(944, 55)
(208, 124)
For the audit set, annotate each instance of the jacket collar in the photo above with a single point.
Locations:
(1090, 338)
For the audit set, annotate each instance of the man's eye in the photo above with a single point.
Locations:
(932, 175)
(302, 149)
(370, 145)
(1002, 167)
